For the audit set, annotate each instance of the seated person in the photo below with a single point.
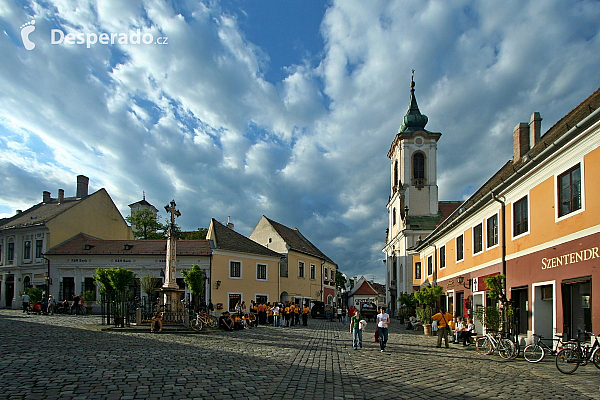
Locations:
(157, 322)
(460, 329)
(238, 323)
(416, 324)
(468, 332)
(225, 322)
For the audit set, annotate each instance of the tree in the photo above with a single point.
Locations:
(103, 281)
(199, 234)
(340, 281)
(148, 284)
(145, 225)
(194, 278)
(427, 297)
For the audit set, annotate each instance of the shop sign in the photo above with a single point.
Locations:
(570, 258)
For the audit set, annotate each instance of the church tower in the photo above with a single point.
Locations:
(413, 208)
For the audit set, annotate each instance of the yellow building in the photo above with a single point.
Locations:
(306, 273)
(537, 221)
(241, 269)
(25, 237)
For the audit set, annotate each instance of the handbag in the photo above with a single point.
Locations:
(447, 325)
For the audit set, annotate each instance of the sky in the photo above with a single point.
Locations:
(244, 108)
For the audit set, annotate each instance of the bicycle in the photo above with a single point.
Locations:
(488, 344)
(203, 319)
(536, 351)
(569, 359)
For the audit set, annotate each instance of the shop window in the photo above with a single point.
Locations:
(492, 230)
(569, 191)
(477, 239)
(234, 298)
(520, 211)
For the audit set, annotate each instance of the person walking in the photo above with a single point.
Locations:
(356, 331)
(383, 320)
(442, 319)
(25, 299)
(305, 311)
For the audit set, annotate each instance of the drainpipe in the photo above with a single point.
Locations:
(48, 280)
(503, 216)
(322, 293)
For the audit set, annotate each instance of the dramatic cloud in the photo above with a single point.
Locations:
(228, 126)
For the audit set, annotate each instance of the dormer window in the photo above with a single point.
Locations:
(88, 246)
(128, 246)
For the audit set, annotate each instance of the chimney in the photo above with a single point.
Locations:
(61, 195)
(19, 211)
(46, 197)
(82, 186)
(229, 223)
(520, 141)
(535, 129)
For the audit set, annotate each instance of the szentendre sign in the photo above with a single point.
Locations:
(570, 258)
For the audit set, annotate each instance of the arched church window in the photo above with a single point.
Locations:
(394, 216)
(396, 173)
(419, 166)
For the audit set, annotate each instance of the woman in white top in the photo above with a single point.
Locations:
(383, 320)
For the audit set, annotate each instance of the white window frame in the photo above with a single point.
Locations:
(444, 258)
(473, 239)
(313, 272)
(303, 269)
(456, 248)
(582, 194)
(497, 231)
(430, 258)
(512, 217)
(241, 269)
(266, 278)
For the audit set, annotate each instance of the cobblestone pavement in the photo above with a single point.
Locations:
(70, 357)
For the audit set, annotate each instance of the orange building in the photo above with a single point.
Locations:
(537, 220)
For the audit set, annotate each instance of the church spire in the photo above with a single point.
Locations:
(413, 120)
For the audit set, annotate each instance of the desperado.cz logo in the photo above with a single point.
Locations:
(57, 36)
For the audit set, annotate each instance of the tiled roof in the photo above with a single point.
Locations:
(83, 244)
(41, 213)
(297, 242)
(365, 289)
(228, 239)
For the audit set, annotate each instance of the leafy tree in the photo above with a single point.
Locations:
(146, 225)
(199, 234)
(35, 294)
(148, 283)
(340, 281)
(427, 297)
(194, 278)
(120, 279)
(103, 281)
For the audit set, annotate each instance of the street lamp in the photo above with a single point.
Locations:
(461, 281)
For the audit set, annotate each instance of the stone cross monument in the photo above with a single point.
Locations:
(171, 267)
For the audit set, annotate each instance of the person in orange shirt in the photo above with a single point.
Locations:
(270, 314)
(287, 315)
(305, 311)
(443, 319)
(297, 310)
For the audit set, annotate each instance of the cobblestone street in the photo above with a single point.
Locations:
(68, 357)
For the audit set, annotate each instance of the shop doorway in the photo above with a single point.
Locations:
(543, 309)
(520, 301)
(450, 302)
(577, 311)
(10, 290)
(461, 308)
(478, 302)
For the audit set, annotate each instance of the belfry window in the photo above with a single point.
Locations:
(419, 166)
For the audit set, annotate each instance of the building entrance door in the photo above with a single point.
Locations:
(577, 311)
(10, 290)
(520, 300)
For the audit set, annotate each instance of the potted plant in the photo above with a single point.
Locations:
(407, 304)
(427, 297)
(88, 297)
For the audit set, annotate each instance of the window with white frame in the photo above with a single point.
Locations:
(492, 230)
(418, 270)
(10, 251)
(442, 257)
(460, 248)
(235, 269)
(261, 272)
(27, 250)
(569, 191)
(39, 246)
(429, 265)
(300, 269)
(520, 216)
(313, 271)
(477, 238)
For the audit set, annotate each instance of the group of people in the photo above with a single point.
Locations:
(48, 305)
(458, 328)
(358, 325)
(277, 314)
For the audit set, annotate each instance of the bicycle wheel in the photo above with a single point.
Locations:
(506, 348)
(483, 345)
(567, 360)
(196, 324)
(534, 353)
(596, 358)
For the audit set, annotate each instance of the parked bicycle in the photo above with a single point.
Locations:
(203, 319)
(569, 359)
(489, 343)
(536, 351)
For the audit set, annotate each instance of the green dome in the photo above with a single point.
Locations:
(413, 120)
